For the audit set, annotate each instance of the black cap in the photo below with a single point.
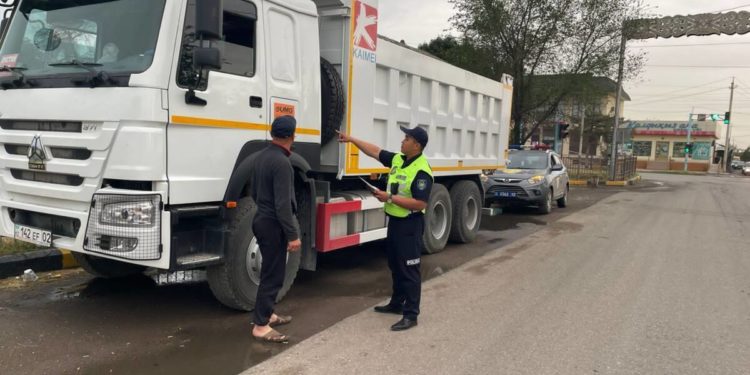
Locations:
(283, 127)
(419, 134)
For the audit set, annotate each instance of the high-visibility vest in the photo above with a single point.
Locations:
(404, 178)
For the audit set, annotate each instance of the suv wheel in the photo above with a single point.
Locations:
(546, 206)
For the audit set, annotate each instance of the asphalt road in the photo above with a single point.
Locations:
(655, 281)
(69, 323)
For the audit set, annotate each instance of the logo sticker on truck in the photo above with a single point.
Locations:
(36, 154)
(281, 109)
(365, 31)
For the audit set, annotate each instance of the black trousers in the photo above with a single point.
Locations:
(404, 249)
(273, 246)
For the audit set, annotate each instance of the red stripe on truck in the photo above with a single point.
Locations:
(323, 241)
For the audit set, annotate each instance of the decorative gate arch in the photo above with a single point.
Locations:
(731, 23)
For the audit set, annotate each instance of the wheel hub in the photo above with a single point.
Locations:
(471, 214)
(253, 261)
(439, 220)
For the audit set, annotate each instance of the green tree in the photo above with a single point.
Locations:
(531, 38)
(745, 155)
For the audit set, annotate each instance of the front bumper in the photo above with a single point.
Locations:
(515, 194)
(69, 228)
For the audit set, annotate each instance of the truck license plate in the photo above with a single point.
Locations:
(505, 194)
(36, 236)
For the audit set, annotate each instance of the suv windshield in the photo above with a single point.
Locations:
(54, 37)
(528, 160)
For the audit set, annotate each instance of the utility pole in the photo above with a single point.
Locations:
(583, 126)
(727, 160)
(689, 133)
(618, 96)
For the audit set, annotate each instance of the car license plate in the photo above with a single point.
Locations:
(36, 236)
(505, 194)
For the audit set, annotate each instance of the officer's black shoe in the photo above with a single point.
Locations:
(404, 324)
(389, 309)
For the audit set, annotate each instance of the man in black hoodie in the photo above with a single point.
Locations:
(274, 225)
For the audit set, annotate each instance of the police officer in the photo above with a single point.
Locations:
(406, 196)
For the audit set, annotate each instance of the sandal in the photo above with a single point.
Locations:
(280, 320)
(273, 336)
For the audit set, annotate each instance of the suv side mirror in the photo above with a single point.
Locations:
(208, 19)
(557, 168)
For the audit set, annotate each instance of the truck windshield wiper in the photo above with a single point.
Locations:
(96, 78)
(19, 78)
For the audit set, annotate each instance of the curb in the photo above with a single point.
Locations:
(38, 260)
(578, 182)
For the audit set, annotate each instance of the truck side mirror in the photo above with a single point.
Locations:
(209, 19)
(206, 58)
(203, 58)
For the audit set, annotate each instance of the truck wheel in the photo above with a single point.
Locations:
(235, 282)
(106, 268)
(332, 99)
(437, 220)
(467, 211)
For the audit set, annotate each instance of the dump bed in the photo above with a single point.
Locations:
(389, 85)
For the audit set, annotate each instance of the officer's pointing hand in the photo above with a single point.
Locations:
(343, 138)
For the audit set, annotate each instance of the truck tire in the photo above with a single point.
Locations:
(332, 99)
(437, 220)
(106, 268)
(235, 282)
(467, 211)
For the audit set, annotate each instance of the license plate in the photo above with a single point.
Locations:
(36, 236)
(505, 194)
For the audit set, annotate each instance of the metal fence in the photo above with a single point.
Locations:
(586, 167)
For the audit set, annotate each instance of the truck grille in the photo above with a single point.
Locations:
(46, 177)
(57, 152)
(42, 126)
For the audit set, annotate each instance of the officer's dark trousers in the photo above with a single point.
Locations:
(404, 248)
(273, 246)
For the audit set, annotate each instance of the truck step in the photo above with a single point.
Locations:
(200, 259)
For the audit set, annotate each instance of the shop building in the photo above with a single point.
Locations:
(660, 145)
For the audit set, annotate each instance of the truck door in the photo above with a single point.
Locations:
(204, 140)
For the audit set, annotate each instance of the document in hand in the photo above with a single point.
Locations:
(370, 187)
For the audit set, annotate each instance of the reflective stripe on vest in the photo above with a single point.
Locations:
(404, 178)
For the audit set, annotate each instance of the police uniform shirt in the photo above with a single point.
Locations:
(422, 184)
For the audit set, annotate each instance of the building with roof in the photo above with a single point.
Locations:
(660, 145)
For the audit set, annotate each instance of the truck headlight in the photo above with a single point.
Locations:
(128, 213)
(535, 180)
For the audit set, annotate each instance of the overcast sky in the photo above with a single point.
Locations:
(666, 90)
(663, 91)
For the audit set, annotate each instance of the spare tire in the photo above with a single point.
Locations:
(332, 101)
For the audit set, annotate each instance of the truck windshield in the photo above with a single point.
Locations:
(49, 38)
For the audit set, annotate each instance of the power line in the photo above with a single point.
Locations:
(692, 45)
(702, 85)
(701, 66)
(681, 96)
(726, 10)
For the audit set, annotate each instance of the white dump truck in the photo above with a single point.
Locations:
(128, 129)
